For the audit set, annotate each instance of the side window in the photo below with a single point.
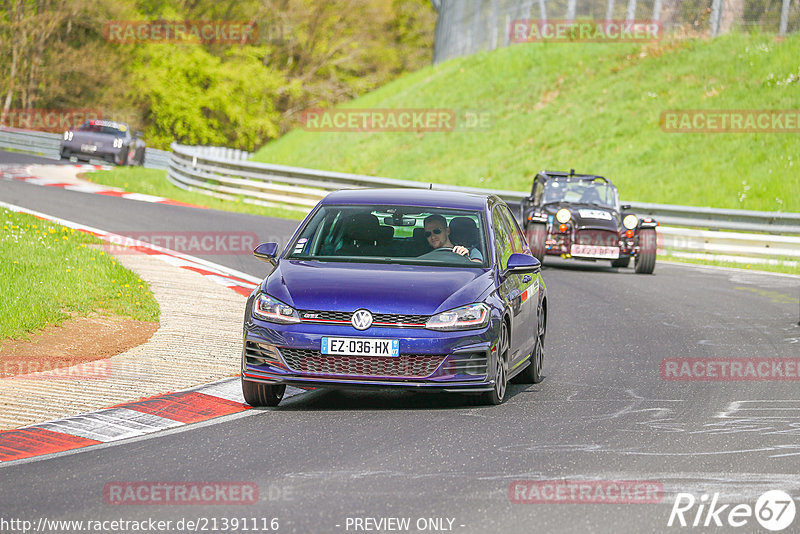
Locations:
(515, 234)
(502, 237)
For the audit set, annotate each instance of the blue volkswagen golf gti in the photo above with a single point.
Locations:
(397, 288)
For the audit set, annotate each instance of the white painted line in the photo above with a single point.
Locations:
(112, 424)
(170, 256)
(143, 197)
(228, 389)
(83, 188)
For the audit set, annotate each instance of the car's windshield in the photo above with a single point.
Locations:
(581, 191)
(393, 234)
(106, 127)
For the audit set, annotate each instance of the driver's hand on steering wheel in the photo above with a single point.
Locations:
(461, 251)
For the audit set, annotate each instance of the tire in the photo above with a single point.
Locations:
(258, 394)
(532, 374)
(645, 261)
(621, 262)
(498, 394)
(537, 235)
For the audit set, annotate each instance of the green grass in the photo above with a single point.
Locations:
(743, 265)
(154, 182)
(592, 107)
(49, 273)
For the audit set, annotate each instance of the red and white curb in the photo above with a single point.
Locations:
(238, 281)
(134, 419)
(128, 420)
(23, 174)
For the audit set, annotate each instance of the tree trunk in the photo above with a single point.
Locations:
(732, 12)
(18, 38)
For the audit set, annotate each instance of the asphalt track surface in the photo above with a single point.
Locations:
(603, 412)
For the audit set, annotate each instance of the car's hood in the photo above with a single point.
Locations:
(416, 290)
(588, 215)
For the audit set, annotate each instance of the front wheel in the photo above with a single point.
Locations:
(645, 261)
(498, 394)
(537, 235)
(258, 394)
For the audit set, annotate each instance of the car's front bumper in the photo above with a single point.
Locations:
(428, 360)
(364, 384)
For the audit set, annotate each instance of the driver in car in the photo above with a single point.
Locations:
(438, 236)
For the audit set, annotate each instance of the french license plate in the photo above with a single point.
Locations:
(595, 251)
(88, 148)
(348, 346)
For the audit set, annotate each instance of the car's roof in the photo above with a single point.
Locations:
(409, 197)
(559, 176)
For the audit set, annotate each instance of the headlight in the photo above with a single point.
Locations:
(563, 215)
(630, 222)
(274, 311)
(68, 136)
(463, 318)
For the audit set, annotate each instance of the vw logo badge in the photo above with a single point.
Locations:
(361, 319)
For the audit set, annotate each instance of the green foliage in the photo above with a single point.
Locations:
(202, 99)
(309, 53)
(592, 107)
(49, 272)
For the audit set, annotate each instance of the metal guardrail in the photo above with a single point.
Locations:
(227, 173)
(48, 145)
(199, 168)
(751, 245)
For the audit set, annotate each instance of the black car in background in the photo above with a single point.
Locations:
(102, 139)
(579, 216)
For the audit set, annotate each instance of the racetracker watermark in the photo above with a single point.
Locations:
(181, 31)
(47, 120)
(585, 31)
(52, 369)
(730, 121)
(395, 120)
(180, 493)
(729, 369)
(585, 492)
(208, 243)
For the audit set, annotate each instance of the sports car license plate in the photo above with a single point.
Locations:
(594, 251)
(88, 148)
(348, 346)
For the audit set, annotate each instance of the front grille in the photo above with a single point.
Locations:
(403, 366)
(259, 354)
(378, 319)
(601, 238)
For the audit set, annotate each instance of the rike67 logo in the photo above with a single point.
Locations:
(774, 510)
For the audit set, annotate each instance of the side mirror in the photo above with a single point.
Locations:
(138, 135)
(267, 252)
(522, 263)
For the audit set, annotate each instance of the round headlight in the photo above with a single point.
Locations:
(563, 215)
(630, 222)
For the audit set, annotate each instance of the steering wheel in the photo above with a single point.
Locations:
(444, 254)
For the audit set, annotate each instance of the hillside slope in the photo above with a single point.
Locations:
(592, 107)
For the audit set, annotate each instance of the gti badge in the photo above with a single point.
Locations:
(361, 319)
